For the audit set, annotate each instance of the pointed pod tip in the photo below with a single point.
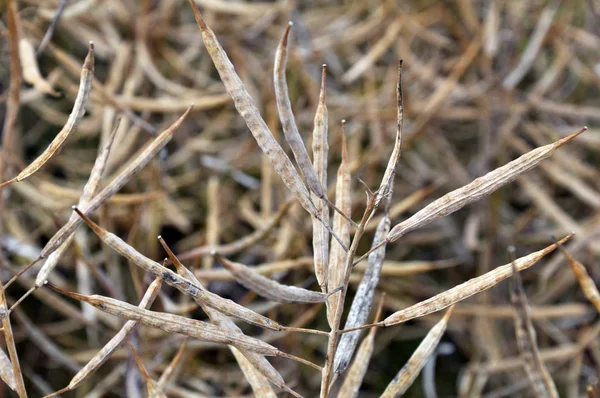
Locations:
(568, 138)
(91, 45)
(198, 16)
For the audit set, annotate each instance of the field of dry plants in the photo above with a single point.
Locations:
(220, 198)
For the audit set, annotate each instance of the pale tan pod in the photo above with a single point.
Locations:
(407, 375)
(6, 371)
(31, 71)
(286, 115)
(154, 391)
(85, 86)
(320, 147)
(269, 288)
(89, 190)
(132, 168)
(10, 345)
(359, 366)
(341, 226)
(390, 170)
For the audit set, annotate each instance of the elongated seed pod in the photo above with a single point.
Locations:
(390, 170)
(171, 278)
(268, 288)
(171, 323)
(360, 364)
(478, 188)
(320, 146)
(31, 70)
(6, 371)
(89, 190)
(341, 226)
(105, 352)
(286, 115)
(85, 86)
(116, 184)
(409, 372)
(361, 305)
(259, 362)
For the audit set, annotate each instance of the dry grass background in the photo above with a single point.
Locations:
(484, 82)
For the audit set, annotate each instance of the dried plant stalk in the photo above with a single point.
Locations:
(116, 184)
(31, 71)
(357, 371)
(341, 226)
(361, 305)
(269, 288)
(320, 146)
(537, 373)
(85, 85)
(258, 382)
(105, 352)
(259, 129)
(167, 374)
(407, 375)
(464, 290)
(589, 288)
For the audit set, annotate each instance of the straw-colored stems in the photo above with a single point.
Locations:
(144, 156)
(85, 85)
(409, 372)
(537, 373)
(154, 390)
(10, 345)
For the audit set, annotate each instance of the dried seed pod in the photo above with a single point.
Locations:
(259, 129)
(409, 372)
(268, 288)
(589, 288)
(390, 170)
(341, 226)
(105, 352)
(475, 190)
(320, 148)
(361, 362)
(361, 305)
(85, 85)
(116, 184)
(464, 290)
(154, 391)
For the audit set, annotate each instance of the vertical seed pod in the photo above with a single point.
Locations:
(361, 305)
(537, 373)
(6, 371)
(390, 170)
(259, 129)
(407, 375)
(360, 364)
(288, 123)
(320, 146)
(341, 226)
